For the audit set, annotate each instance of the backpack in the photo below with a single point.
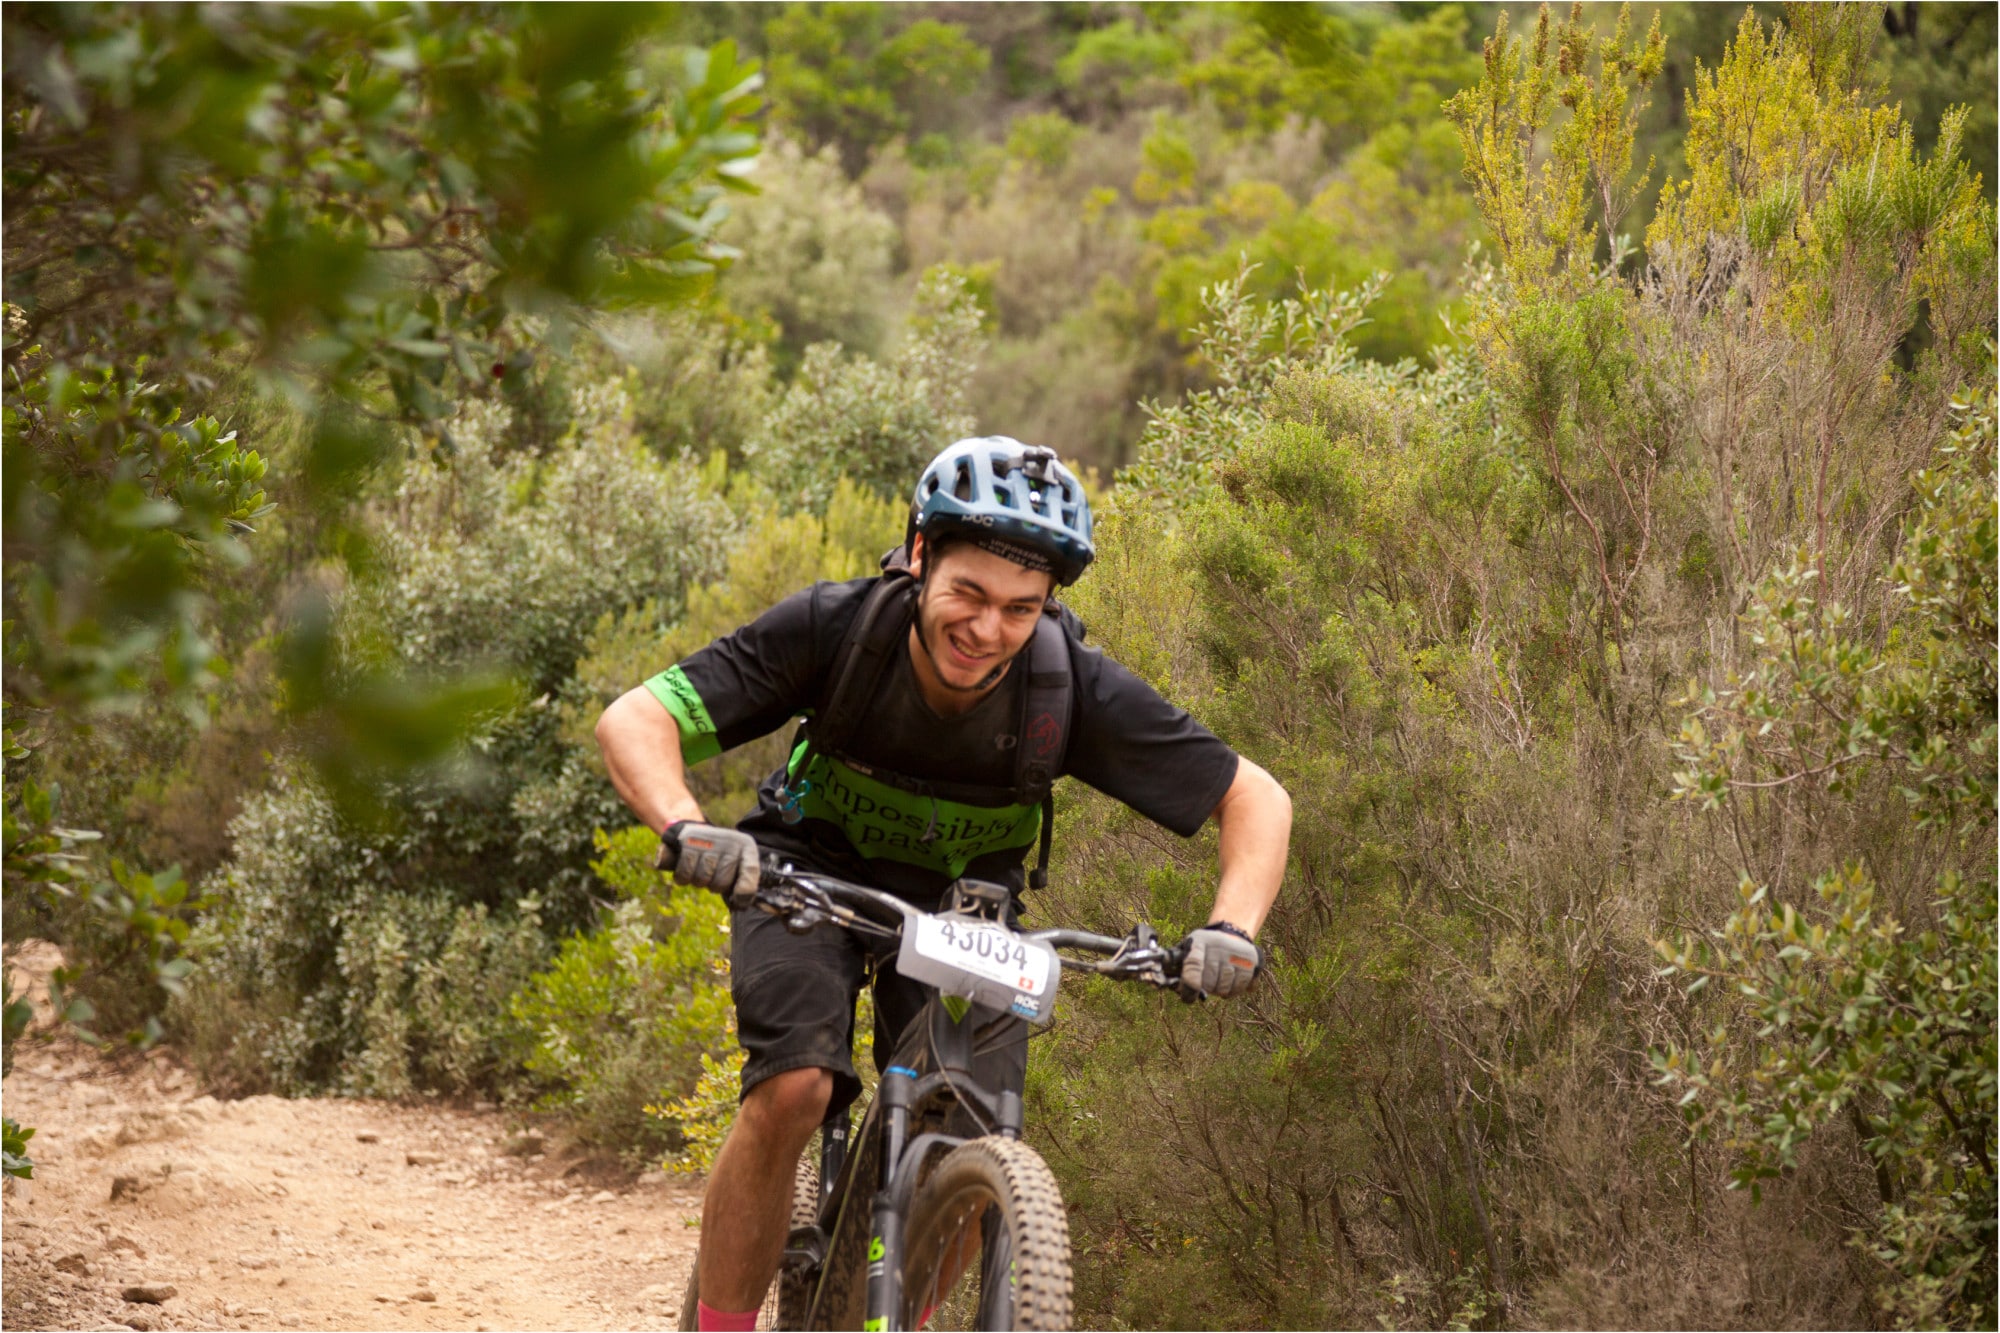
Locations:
(881, 629)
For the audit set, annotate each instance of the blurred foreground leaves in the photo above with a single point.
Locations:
(365, 214)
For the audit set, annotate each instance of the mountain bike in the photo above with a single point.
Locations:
(935, 1214)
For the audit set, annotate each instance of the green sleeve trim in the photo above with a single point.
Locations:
(697, 728)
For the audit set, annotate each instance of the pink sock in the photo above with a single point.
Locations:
(711, 1320)
(925, 1322)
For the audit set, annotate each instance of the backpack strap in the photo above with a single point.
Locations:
(1047, 706)
(858, 664)
(864, 655)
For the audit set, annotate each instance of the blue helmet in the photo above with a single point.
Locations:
(1012, 498)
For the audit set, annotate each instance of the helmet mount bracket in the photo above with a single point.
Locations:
(1034, 463)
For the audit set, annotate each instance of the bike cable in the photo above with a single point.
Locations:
(937, 1062)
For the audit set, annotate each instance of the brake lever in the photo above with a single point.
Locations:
(1144, 959)
(782, 899)
(805, 921)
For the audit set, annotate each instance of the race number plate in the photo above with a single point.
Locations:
(982, 961)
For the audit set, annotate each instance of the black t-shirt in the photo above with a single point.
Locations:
(1124, 740)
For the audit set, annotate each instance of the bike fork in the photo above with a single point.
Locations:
(885, 1239)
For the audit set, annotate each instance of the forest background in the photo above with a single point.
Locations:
(1560, 447)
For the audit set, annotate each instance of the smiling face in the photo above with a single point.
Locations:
(976, 612)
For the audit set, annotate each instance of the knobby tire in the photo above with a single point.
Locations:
(999, 1194)
(793, 1303)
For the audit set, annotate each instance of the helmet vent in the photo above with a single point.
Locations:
(962, 487)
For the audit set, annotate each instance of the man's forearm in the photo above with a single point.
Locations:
(642, 751)
(1255, 822)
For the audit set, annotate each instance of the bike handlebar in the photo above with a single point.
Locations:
(811, 899)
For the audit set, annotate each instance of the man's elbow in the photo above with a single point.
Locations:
(616, 723)
(1255, 790)
(1273, 794)
(607, 725)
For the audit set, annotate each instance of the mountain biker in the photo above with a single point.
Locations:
(927, 790)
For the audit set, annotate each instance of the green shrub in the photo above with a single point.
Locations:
(1250, 343)
(875, 422)
(1042, 138)
(851, 77)
(1119, 65)
(326, 928)
(488, 556)
(320, 971)
(630, 1015)
(702, 1119)
(1880, 1014)
(1449, 610)
(699, 383)
(817, 256)
(14, 1159)
(133, 929)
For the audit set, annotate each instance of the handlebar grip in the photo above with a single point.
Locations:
(1175, 961)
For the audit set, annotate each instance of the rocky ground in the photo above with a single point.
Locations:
(156, 1207)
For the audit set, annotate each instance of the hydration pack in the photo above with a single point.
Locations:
(881, 629)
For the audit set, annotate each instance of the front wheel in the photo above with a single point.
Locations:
(987, 1243)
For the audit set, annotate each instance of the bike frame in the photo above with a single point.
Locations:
(898, 1127)
(935, 1083)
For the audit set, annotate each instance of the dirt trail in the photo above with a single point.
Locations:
(338, 1214)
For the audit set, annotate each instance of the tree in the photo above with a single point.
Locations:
(848, 75)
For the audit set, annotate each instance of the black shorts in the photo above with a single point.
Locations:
(795, 998)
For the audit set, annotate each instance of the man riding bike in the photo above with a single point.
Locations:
(942, 700)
